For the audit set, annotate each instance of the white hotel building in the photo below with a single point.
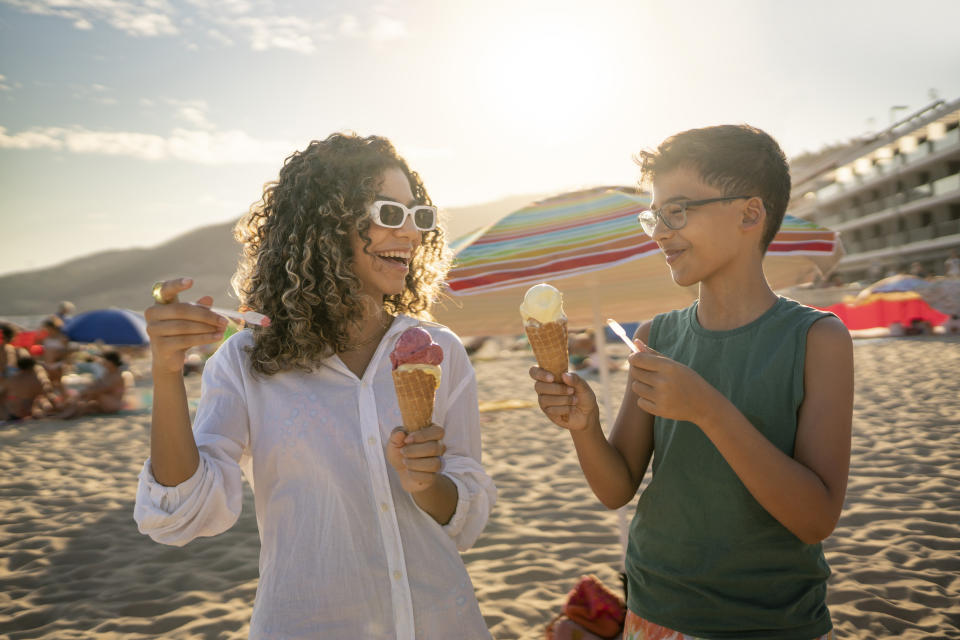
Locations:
(894, 196)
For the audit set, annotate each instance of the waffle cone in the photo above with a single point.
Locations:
(416, 390)
(549, 342)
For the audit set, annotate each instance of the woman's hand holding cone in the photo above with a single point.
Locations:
(417, 457)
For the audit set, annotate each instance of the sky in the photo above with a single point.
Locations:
(126, 123)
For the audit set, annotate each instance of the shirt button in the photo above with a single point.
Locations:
(397, 575)
(384, 506)
(372, 440)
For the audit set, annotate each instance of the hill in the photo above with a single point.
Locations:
(122, 278)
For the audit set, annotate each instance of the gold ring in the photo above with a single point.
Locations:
(158, 293)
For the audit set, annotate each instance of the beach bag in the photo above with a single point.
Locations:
(591, 611)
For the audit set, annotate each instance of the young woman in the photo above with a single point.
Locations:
(360, 523)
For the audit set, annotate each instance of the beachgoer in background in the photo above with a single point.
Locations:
(918, 327)
(28, 392)
(917, 270)
(8, 352)
(952, 325)
(360, 522)
(951, 266)
(105, 395)
(473, 345)
(64, 310)
(580, 346)
(56, 351)
(744, 400)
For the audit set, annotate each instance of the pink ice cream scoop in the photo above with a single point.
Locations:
(415, 346)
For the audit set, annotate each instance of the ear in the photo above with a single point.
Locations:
(754, 215)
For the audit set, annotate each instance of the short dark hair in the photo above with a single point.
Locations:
(114, 357)
(8, 333)
(26, 363)
(736, 158)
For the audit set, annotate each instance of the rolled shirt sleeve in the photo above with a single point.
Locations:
(209, 502)
(476, 493)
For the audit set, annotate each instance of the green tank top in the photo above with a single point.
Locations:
(704, 558)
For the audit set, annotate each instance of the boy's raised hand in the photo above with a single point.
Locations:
(569, 403)
(665, 387)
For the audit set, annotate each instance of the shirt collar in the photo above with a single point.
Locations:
(400, 324)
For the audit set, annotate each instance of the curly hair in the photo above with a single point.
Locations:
(296, 259)
(733, 158)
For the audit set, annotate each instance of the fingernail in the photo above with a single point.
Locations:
(186, 281)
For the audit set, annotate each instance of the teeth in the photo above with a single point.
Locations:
(403, 255)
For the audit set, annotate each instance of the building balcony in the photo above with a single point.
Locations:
(926, 154)
(948, 228)
(922, 233)
(876, 250)
(942, 191)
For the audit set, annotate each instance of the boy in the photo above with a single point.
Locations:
(744, 400)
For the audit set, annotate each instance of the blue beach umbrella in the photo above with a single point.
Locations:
(118, 327)
(900, 283)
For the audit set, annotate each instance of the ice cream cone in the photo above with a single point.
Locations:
(416, 387)
(549, 342)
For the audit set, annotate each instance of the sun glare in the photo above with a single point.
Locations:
(541, 78)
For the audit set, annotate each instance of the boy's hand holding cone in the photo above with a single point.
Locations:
(546, 328)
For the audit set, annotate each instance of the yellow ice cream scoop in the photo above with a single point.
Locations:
(542, 303)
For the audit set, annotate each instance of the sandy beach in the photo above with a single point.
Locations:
(72, 564)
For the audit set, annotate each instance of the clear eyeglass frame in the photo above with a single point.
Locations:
(674, 214)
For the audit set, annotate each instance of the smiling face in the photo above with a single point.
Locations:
(714, 238)
(382, 267)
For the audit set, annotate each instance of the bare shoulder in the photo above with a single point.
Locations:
(828, 366)
(643, 331)
(829, 338)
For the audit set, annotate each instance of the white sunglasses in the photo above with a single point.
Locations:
(393, 215)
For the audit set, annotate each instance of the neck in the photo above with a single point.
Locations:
(731, 300)
(370, 327)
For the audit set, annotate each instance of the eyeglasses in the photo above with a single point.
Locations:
(674, 215)
(393, 215)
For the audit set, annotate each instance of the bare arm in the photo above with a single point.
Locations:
(439, 500)
(804, 493)
(614, 468)
(174, 328)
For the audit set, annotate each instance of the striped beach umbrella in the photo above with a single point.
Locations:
(589, 245)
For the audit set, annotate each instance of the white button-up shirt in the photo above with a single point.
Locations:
(345, 552)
